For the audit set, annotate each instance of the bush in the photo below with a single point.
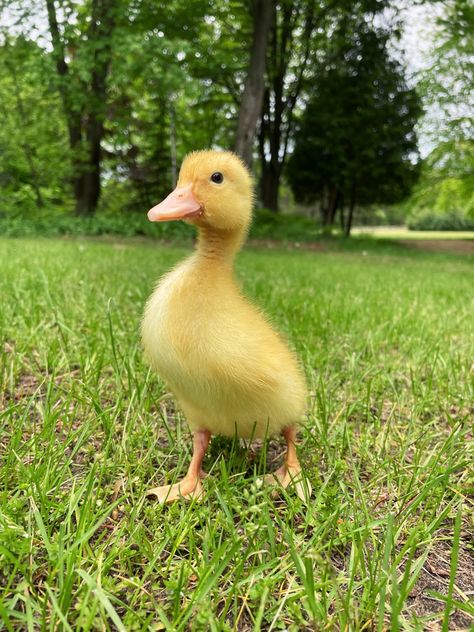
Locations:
(441, 221)
(269, 225)
(54, 224)
(266, 225)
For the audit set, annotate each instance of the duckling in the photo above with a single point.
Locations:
(230, 372)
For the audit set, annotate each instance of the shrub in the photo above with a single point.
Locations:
(53, 224)
(441, 221)
(269, 225)
(266, 225)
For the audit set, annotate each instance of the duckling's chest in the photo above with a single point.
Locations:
(176, 322)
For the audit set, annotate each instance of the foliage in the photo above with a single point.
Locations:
(304, 37)
(162, 102)
(33, 151)
(86, 428)
(448, 84)
(269, 225)
(380, 215)
(356, 141)
(53, 224)
(118, 92)
(446, 184)
(266, 225)
(129, 104)
(450, 220)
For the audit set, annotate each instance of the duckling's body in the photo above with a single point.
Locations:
(228, 369)
(230, 372)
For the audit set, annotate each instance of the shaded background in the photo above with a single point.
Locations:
(347, 112)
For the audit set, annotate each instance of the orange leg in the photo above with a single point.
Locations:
(290, 472)
(190, 486)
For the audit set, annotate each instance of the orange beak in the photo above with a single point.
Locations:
(180, 204)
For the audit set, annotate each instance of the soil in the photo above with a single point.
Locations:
(435, 577)
(454, 246)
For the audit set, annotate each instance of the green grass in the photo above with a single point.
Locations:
(386, 338)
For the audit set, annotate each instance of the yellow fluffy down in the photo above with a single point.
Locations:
(230, 372)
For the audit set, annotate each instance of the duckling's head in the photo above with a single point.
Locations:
(214, 191)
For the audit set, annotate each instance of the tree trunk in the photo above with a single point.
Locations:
(252, 97)
(337, 202)
(324, 205)
(270, 166)
(291, 29)
(342, 217)
(174, 169)
(329, 211)
(350, 215)
(87, 184)
(270, 181)
(85, 124)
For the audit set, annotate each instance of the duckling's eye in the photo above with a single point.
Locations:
(217, 177)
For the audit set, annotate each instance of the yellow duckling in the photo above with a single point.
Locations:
(229, 371)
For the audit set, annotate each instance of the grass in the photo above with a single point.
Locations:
(401, 232)
(385, 336)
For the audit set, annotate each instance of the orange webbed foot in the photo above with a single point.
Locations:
(291, 477)
(290, 474)
(188, 488)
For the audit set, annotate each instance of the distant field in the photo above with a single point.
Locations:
(385, 334)
(399, 232)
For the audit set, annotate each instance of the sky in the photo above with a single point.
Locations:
(419, 29)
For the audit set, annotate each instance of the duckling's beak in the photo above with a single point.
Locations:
(180, 204)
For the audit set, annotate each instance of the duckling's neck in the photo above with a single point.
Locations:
(218, 246)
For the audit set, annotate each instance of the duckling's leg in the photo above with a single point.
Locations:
(190, 486)
(290, 473)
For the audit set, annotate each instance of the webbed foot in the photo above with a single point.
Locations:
(290, 474)
(189, 488)
(293, 477)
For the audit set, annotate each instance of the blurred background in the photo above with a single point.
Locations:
(348, 113)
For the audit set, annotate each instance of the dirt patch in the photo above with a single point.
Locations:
(29, 385)
(26, 387)
(454, 246)
(451, 246)
(435, 577)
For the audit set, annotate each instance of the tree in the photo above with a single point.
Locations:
(162, 102)
(291, 45)
(118, 72)
(446, 184)
(82, 50)
(252, 96)
(300, 33)
(446, 88)
(356, 141)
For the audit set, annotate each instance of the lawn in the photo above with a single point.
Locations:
(401, 232)
(385, 334)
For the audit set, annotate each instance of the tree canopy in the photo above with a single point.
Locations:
(356, 142)
(33, 146)
(447, 89)
(101, 99)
